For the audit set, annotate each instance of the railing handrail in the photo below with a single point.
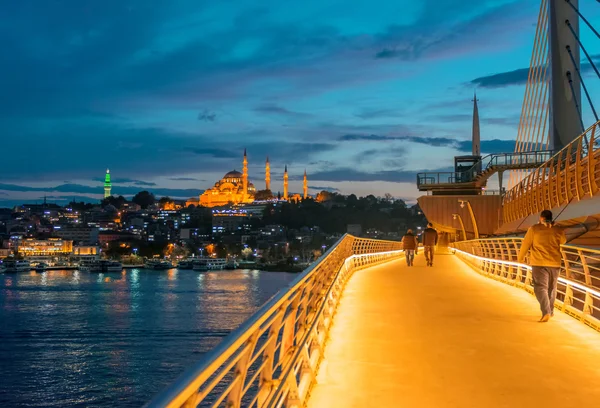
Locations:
(236, 337)
(475, 167)
(579, 277)
(189, 385)
(571, 173)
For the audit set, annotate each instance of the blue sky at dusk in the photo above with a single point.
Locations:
(168, 93)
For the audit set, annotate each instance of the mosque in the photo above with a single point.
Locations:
(235, 188)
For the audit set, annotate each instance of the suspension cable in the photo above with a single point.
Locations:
(583, 48)
(583, 18)
(582, 82)
(575, 101)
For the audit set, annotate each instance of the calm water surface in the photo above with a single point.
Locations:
(75, 339)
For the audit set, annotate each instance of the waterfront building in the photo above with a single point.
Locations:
(44, 247)
(107, 184)
(85, 253)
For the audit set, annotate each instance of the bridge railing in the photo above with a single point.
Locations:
(579, 281)
(271, 360)
(571, 174)
(489, 162)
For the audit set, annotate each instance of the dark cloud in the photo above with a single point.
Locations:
(185, 179)
(378, 113)
(279, 110)
(324, 188)
(81, 189)
(518, 76)
(350, 174)
(124, 181)
(207, 116)
(214, 152)
(432, 141)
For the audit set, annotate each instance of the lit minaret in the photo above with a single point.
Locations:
(476, 135)
(305, 186)
(268, 175)
(285, 184)
(245, 175)
(107, 184)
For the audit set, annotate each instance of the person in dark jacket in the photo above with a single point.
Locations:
(430, 238)
(410, 245)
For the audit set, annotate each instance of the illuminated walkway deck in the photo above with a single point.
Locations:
(449, 337)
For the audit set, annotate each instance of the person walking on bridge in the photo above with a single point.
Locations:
(430, 238)
(544, 241)
(410, 247)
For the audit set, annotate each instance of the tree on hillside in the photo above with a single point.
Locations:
(117, 202)
(144, 199)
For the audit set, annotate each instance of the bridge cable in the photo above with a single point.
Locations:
(583, 18)
(576, 103)
(583, 48)
(582, 82)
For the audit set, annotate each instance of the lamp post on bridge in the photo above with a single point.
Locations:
(475, 229)
(462, 225)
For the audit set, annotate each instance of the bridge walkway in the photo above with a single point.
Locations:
(449, 337)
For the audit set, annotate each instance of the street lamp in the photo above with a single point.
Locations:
(135, 251)
(462, 225)
(462, 205)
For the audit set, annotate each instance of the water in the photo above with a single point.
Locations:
(75, 339)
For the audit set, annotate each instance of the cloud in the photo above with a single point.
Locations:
(123, 181)
(82, 189)
(518, 76)
(207, 116)
(350, 174)
(324, 188)
(278, 110)
(184, 179)
(378, 113)
(432, 141)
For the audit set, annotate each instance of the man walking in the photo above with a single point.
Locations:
(409, 245)
(544, 241)
(430, 238)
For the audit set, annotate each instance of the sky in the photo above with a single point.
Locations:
(168, 93)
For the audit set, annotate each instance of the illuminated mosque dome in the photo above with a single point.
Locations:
(233, 188)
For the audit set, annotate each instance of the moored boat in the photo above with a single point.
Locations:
(17, 265)
(100, 265)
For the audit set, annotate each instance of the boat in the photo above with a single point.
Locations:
(157, 264)
(209, 264)
(100, 265)
(39, 267)
(231, 264)
(186, 264)
(17, 265)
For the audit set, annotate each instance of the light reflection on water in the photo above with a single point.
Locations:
(71, 338)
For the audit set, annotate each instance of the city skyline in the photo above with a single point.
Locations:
(166, 95)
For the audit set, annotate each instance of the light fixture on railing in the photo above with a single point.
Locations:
(454, 216)
(462, 203)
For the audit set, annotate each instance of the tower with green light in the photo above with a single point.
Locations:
(107, 184)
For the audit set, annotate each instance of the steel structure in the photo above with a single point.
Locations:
(579, 283)
(570, 175)
(271, 360)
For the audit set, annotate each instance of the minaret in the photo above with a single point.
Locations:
(305, 186)
(245, 175)
(476, 135)
(268, 175)
(107, 184)
(285, 184)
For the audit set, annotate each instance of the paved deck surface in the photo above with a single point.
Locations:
(449, 337)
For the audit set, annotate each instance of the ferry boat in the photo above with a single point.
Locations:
(209, 264)
(100, 265)
(17, 265)
(186, 264)
(39, 267)
(157, 264)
